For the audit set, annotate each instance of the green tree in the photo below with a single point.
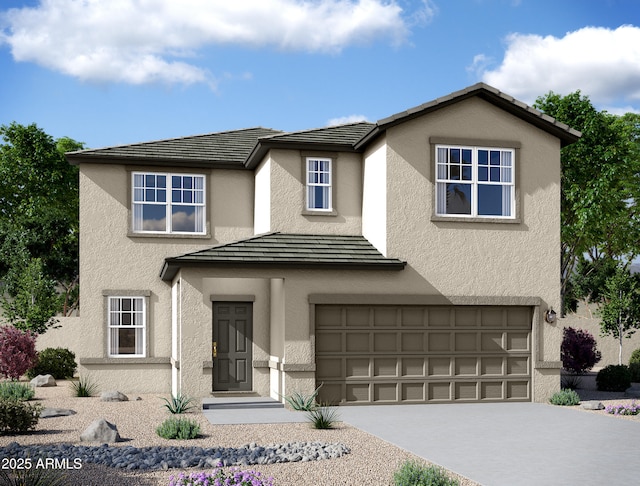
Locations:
(600, 184)
(620, 310)
(38, 220)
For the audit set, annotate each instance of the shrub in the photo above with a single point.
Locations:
(613, 378)
(235, 477)
(635, 356)
(84, 387)
(621, 409)
(565, 398)
(179, 404)
(301, 402)
(178, 428)
(414, 473)
(57, 362)
(323, 417)
(17, 351)
(18, 417)
(33, 476)
(578, 350)
(16, 391)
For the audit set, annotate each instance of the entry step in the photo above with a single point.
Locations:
(238, 403)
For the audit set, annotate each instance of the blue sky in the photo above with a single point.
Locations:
(125, 71)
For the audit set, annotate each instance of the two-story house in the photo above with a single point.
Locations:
(412, 260)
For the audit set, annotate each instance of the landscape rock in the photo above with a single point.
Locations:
(592, 405)
(113, 396)
(43, 380)
(56, 412)
(100, 431)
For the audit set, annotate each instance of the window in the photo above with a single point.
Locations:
(168, 203)
(475, 182)
(319, 184)
(126, 317)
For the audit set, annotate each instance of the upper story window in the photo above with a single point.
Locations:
(475, 182)
(126, 322)
(319, 185)
(168, 203)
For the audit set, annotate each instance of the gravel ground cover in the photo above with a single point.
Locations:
(370, 461)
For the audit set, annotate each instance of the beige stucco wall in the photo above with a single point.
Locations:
(287, 213)
(113, 259)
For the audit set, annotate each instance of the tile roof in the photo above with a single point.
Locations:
(244, 149)
(277, 250)
(565, 133)
(229, 148)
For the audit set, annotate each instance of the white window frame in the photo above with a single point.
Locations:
(311, 185)
(138, 317)
(139, 200)
(506, 170)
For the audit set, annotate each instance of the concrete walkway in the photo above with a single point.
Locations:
(507, 444)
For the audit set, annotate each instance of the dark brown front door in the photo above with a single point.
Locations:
(232, 335)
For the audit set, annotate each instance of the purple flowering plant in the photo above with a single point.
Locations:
(623, 409)
(218, 477)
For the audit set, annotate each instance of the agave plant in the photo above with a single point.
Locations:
(301, 402)
(179, 404)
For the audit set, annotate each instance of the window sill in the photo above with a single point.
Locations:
(454, 219)
(132, 234)
(308, 212)
(124, 361)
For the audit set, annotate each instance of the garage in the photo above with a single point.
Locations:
(367, 354)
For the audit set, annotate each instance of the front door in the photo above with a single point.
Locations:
(232, 335)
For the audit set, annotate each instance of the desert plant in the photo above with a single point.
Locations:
(17, 351)
(57, 362)
(18, 417)
(622, 409)
(415, 473)
(323, 416)
(84, 387)
(234, 477)
(16, 391)
(179, 404)
(570, 382)
(613, 378)
(33, 476)
(578, 350)
(178, 428)
(301, 402)
(565, 398)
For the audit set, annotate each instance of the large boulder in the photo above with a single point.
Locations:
(43, 380)
(100, 431)
(113, 396)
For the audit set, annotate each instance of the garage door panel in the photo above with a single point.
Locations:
(423, 354)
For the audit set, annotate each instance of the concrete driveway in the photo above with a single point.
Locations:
(510, 444)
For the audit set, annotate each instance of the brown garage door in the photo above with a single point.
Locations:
(423, 354)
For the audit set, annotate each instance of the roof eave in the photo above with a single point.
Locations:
(264, 146)
(171, 266)
(151, 161)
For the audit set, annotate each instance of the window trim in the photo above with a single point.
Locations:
(168, 232)
(451, 142)
(330, 211)
(126, 294)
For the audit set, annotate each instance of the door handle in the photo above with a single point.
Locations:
(215, 349)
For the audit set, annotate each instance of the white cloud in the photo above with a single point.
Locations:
(343, 120)
(142, 41)
(602, 63)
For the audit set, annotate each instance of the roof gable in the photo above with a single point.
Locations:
(565, 133)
